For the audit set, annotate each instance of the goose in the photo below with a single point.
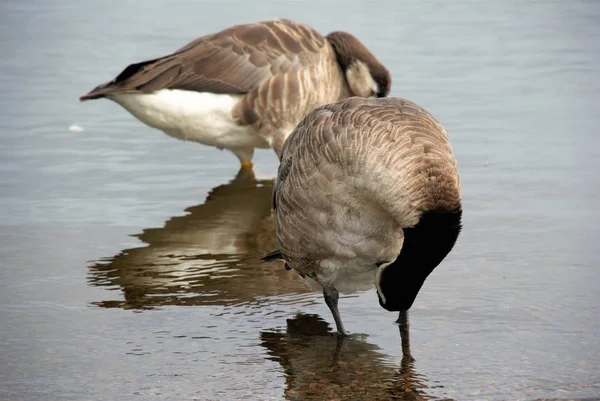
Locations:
(246, 86)
(367, 194)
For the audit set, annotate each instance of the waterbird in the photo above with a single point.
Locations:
(367, 194)
(246, 86)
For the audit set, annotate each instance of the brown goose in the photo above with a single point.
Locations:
(247, 86)
(367, 193)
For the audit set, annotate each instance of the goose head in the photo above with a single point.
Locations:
(425, 246)
(366, 76)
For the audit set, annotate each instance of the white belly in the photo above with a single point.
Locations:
(193, 116)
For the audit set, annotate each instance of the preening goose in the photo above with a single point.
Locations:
(246, 86)
(367, 193)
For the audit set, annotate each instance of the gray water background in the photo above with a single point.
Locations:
(128, 259)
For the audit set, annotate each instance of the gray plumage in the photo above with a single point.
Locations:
(358, 181)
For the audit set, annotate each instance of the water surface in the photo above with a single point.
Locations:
(129, 260)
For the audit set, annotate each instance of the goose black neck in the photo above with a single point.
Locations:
(425, 246)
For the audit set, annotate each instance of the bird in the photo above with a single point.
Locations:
(367, 194)
(246, 86)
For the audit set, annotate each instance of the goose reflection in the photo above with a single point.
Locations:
(209, 256)
(319, 365)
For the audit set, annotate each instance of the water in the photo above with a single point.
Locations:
(129, 260)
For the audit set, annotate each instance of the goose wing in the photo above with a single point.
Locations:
(234, 60)
(388, 152)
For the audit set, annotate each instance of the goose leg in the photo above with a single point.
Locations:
(338, 348)
(403, 319)
(247, 165)
(331, 299)
(245, 156)
(404, 335)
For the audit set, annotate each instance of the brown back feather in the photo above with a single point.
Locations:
(234, 60)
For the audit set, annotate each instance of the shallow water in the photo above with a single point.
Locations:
(129, 260)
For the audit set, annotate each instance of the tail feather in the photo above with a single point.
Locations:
(119, 83)
(275, 255)
(99, 91)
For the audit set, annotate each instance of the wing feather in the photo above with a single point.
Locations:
(234, 60)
